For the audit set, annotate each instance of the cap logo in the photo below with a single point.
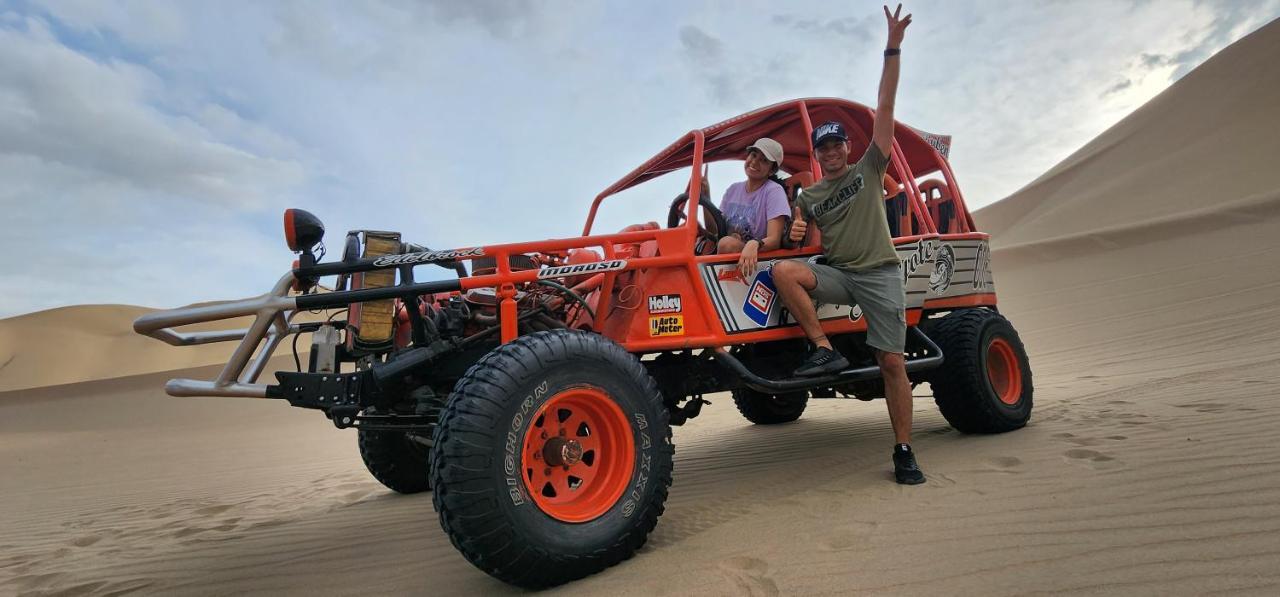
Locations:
(830, 128)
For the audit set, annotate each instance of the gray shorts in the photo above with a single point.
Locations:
(880, 294)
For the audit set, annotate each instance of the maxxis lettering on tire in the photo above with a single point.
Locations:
(481, 462)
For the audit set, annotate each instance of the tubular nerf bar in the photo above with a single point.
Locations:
(273, 313)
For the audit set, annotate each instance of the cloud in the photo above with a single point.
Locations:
(1230, 19)
(100, 120)
(501, 18)
(857, 28)
(742, 77)
(1153, 61)
(705, 55)
(118, 187)
(140, 21)
(700, 46)
(145, 148)
(1118, 87)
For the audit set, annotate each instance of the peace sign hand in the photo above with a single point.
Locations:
(897, 26)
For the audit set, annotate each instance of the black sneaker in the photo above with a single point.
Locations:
(905, 469)
(821, 361)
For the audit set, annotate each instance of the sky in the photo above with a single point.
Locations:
(147, 149)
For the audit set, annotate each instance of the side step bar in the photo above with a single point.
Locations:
(772, 386)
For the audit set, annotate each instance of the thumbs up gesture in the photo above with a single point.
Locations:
(798, 227)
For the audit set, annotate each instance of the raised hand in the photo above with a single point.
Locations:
(798, 229)
(897, 26)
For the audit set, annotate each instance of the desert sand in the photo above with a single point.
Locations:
(1141, 273)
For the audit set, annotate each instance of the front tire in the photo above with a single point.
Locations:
(984, 383)
(768, 409)
(552, 459)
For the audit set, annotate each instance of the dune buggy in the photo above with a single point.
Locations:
(534, 390)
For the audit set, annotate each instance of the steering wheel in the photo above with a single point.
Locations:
(676, 216)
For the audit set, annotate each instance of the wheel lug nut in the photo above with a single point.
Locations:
(562, 433)
(544, 435)
(547, 471)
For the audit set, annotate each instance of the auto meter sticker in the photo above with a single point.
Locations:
(583, 268)
(664, 303)
(943, 266)
(666, 325)
(761, 298)
(855, 313)
(427, 256)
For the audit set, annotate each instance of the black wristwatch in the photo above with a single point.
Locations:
(892, 52)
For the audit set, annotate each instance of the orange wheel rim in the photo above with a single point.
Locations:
(1003, 371)
(578, 455)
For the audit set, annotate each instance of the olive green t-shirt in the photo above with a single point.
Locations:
(849, 212)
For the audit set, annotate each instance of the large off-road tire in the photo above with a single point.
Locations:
(768, 409)
(396, 460)
(552, 459)
(984, 383)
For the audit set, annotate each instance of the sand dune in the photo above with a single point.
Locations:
(1210, 139)
(1150, 466)
(90, 342)
(87, 342)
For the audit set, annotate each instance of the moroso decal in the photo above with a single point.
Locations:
(666, 325)
(426, 256)
(582, 268)
(664, 303)
(943, 266)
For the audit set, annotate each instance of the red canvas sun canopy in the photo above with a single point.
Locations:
(788, 123)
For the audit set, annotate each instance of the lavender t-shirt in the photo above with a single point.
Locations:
(748, 214)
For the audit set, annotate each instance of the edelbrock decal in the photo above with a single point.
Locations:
(426, 256)
(664, 303)
(583, 268)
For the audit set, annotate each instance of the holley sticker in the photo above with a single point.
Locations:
(664, 303)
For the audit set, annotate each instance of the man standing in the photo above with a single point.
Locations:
(862, 266)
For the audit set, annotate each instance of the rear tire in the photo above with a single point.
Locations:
(505, 495)
(396, 460)
(769, 409)
(984, 384)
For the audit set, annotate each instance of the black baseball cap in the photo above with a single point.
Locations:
(829, 130)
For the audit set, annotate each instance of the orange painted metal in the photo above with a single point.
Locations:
(958, 302)
(653, 262)
(1003, 371)
(578, 455)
